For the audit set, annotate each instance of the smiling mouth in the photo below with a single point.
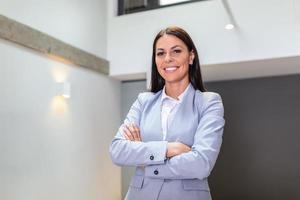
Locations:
(171, 69)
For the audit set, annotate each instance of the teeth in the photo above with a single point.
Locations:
(171, 68)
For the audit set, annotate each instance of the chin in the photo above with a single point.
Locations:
(172, 80)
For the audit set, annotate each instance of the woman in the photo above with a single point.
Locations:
(173, 134)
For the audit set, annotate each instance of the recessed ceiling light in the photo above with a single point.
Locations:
(229, 26)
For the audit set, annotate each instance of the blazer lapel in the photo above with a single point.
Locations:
(151, 122)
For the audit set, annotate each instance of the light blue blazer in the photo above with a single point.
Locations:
(198, 123)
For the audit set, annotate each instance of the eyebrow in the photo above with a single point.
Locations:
(171, 47)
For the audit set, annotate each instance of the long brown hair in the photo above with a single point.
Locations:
(195, 77)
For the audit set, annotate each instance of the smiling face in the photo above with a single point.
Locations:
(172, 59)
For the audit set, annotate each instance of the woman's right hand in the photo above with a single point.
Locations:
(131, 132)
(176, 148)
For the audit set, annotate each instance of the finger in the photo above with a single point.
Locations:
(124, 133)
(128, 133)
(133, 132)
(186, 148)
(137, 130)
(129, 136)
(126, 137)
(183, 148)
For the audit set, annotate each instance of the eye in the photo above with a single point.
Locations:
(159, 53)
(177, 51)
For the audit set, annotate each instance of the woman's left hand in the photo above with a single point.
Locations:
(132, 132)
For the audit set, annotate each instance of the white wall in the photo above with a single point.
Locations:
(267, 29)
(51, 148)
(79, 23)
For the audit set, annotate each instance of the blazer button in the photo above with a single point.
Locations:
(151, 157)
(156, 172)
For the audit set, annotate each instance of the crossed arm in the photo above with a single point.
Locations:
(132, 133)
(171, 160)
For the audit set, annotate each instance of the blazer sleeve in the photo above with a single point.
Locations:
(199, 162)
(134, 153)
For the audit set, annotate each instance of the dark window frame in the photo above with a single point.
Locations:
(152, 4)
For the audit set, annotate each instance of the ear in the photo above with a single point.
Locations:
(191, 57)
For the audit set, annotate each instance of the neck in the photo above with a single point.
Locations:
(175, 89)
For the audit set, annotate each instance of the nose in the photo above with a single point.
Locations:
(168, 58)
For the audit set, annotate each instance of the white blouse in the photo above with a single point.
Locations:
(169, 107)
